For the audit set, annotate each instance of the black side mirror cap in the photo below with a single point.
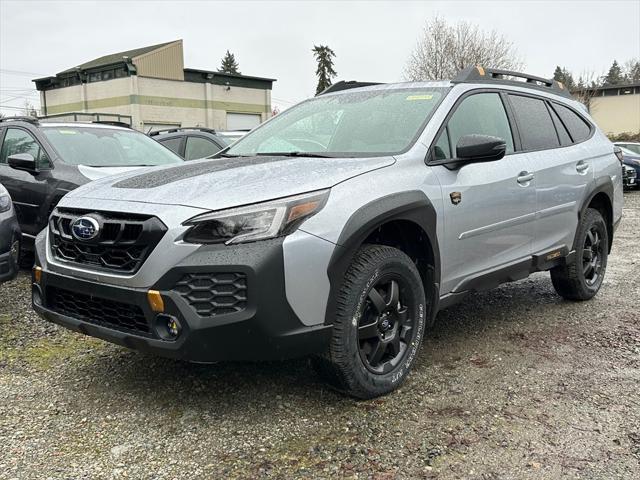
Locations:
(480, 148)
(22, 161)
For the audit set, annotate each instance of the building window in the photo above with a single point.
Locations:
(94, 77)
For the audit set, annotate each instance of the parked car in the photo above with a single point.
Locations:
(9, 238)
(632, 146)
(195, 143)
(631, 159)
(40, 162)
(340, 227)
(629, 177)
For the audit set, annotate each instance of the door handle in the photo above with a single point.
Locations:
(582, 167)
(525, 178)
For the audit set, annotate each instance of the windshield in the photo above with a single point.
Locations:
(107, 147)
(355, 124)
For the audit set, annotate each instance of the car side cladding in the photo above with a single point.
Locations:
(406, 214)
(600, 198)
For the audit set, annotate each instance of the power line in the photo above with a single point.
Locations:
(20, 72)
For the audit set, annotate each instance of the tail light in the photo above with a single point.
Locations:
(618, 153)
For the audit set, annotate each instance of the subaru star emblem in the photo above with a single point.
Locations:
(85, 228)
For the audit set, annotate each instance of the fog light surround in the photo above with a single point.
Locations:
(168, 327)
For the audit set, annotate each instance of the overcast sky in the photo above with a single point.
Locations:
(372, 39)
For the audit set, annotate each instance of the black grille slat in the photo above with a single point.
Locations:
(123, 244)
(211, 294)
(99, 311)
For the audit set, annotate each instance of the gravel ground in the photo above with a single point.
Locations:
(514, 383)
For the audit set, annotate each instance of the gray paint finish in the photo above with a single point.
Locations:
(499, 221)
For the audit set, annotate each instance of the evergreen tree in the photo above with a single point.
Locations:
(325, 72)
(615, 76)
(564, 76)
(229, 64)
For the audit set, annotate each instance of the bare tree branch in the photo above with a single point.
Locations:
(443, 50)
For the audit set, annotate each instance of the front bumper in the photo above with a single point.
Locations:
(9, 231)
(264, 327)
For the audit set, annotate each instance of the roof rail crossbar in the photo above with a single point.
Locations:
(479, 74)
(113, 123)
(22, 118)
(346, 85)
(181, 129)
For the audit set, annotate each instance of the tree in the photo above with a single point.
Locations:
(29, 110)
(614, 76)
(444, 50)
(564, 76)
(632, 71)
(229, 64)
(325, 72)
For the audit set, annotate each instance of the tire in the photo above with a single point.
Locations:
(378, 328)
(583, 278)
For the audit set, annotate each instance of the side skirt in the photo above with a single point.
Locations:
(517, 271)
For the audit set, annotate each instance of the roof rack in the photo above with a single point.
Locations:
(181, 129)
(23, 118)
(479, 74)
(346, 85)
(113, 123)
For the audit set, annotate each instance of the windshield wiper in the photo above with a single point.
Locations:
(228, 155)
(295, 154)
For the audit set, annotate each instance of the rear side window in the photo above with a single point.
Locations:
(172, 144)
(578, 128)
(198, 147)
(481, 114)
(534, 121)
(565, 139)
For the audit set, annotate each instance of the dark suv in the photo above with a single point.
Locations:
(41, 162)
(9, 238)
(193, 143)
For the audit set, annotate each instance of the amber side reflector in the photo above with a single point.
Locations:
(480, 70)
(155, 301)
(37, 274)
(302, 210)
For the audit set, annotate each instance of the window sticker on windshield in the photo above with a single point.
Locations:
(67, 132)
(419, 97)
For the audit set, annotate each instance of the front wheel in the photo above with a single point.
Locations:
(583, 278)
(379, 324)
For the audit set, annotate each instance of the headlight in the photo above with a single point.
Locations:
(5, 203)
(255, 222)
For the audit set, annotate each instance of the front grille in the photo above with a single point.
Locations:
(123, 242)
(99, 311)
(211, 294)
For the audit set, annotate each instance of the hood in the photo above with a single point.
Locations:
(94, 173)
(229, 182)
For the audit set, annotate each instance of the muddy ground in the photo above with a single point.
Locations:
(514, 383)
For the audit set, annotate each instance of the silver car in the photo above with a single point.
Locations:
(339, 228)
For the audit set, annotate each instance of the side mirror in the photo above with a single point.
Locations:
(23, 161)
(480, 148)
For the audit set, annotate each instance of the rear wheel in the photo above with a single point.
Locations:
(582, 279)
(379, 325)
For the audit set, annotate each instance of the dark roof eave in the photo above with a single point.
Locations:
(232, 75)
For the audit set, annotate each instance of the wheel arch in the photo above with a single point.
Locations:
(406, 221)
(601, 199)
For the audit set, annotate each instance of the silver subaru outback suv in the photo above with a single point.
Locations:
(339, 228)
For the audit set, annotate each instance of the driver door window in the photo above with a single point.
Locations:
(19, 141)
(479, 114)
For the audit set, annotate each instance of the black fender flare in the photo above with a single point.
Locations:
(413, 206)
(604, 185)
